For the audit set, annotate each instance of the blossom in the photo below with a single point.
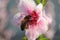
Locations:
(38, 23)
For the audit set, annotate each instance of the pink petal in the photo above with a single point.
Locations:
(39, 9)
(32, 34)
(43, 26)
(49, 19)
(26, 5)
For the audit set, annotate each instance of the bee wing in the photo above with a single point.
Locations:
(18, 17)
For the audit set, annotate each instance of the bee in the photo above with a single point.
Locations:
(24, 22)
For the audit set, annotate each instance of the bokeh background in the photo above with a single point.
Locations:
(12, 32)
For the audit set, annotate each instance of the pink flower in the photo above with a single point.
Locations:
(38, 23)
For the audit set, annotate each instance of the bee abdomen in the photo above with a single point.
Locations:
(23, 25)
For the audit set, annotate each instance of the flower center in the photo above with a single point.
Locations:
(34, 18)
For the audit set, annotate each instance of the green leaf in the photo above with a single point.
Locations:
(37, 1)
(24, 38)
(44, 2)
(41, 1)
(41, 36)
(44, 39)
